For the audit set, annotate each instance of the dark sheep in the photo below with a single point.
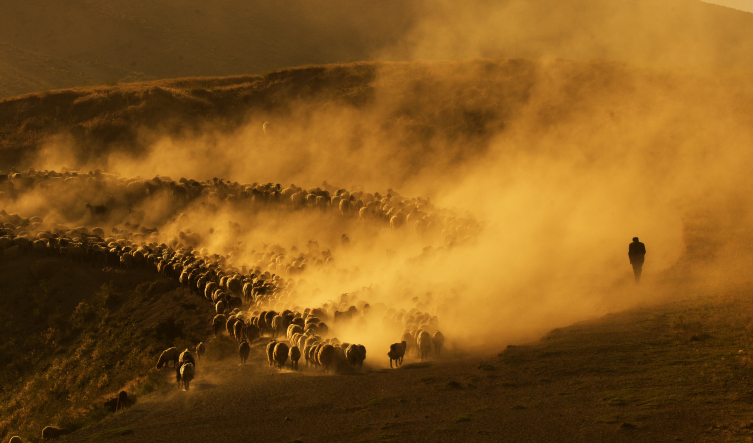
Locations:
(397, 351)
(280, 354)
(295, 355)
(243, 351)
(270, 351)
(50, 432)
(326, 357)
(218, 322)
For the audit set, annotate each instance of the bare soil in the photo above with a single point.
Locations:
(672, 373)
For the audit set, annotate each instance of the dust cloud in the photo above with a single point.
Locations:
(663, 34)
(560, 170)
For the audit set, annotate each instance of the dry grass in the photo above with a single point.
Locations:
(454, 125)
(78, 336)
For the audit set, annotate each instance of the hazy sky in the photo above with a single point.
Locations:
(742, 5)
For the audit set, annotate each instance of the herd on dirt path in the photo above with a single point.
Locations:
(253, 303)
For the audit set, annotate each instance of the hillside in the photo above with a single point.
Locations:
(433, 116)
(53, 45)
(673, 372)
(46, 46)
(73, 336)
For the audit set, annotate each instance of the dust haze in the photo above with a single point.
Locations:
(588, 155)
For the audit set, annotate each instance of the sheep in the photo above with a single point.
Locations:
(270, 351)
(186, 357)
(294, 329)
(218, 322)
(276, 325)
(238, 330)
(312, 355)
(327, 357)
(220, 307)
(187, 372)
(438, 340)
(280, 354)
(410, 341)
(200, 350)
(112, 404)
(251, 331)
(295, 355)
(167, 356)
(230, 324)
(243, 350)
(235, 285)
(50, 432)
(248, 292)
(355, 354)
(123, 400)
(15, 439)
(397, 351)
(299, 321)
(424, 344)
(268, 320)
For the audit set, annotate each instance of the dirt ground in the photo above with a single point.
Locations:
(644, 375)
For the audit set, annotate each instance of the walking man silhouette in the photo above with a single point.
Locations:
(636, 253)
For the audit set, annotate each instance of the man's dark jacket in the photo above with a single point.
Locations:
(636, 252)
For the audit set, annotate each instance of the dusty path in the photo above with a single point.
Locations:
(480, 398)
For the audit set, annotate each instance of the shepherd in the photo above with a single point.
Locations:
(636, 253)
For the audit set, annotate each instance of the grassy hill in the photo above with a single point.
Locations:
(672, 372)
(74, 336)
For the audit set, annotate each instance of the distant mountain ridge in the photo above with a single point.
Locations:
(53, 45)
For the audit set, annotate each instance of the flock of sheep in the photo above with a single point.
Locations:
(110, 194)
(254, 303)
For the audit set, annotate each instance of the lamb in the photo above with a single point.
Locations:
(52, 432)
(397, 351)
(424, 344)
(243, 350)
(187, 372)
(280, 354)
(438, 340)
(355, 354)
(167, 356)
(295, 355)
